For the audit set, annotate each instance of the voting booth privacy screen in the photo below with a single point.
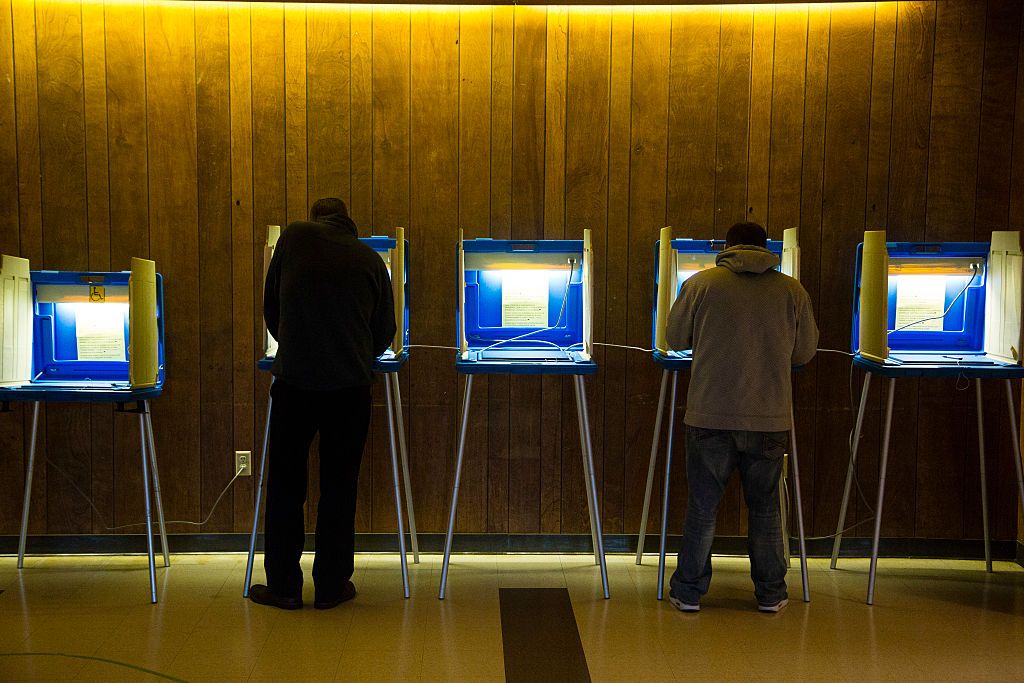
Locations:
(524, 301)
(89, 330)
(394, 252)
(677, 260)
(938, 303)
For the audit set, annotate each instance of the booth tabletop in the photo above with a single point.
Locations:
(85, 394)
(950, 369)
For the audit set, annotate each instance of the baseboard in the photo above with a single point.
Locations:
(513, 543)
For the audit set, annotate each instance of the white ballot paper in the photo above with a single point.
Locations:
(99, 329)
(524, 299)
(919, 297)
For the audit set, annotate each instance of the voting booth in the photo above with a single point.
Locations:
(84, 337)
(525, 307)
(928, 309)
(394, 252)
(675, 261)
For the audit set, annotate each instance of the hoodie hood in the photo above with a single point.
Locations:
(746, 258)
(340, 221)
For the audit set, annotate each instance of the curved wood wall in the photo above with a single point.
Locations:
(178, 131)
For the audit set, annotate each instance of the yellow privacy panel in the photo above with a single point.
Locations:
(874, 297)
(143, 349)
(666, 289)
(15, 321)
(398, 287)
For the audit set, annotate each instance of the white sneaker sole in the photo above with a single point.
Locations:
(777, 607)
(682, 606)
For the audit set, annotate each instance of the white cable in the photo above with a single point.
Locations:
(431, 346)
(126, 526)
(624, 346)
(975, 269)
(558, 321)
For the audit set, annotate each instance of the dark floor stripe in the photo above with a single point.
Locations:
(539, 635)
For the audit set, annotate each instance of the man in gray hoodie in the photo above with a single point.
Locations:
(748, 326)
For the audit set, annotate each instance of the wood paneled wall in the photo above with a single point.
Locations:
(178, 131)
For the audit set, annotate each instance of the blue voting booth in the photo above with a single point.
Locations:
(525, 307)
(675, 261)
(93, 337)
(932, 309)
(394, 252)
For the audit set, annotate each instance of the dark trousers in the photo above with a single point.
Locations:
(343, 418)
(711, 456)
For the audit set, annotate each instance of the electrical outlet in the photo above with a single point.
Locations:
(243, 462)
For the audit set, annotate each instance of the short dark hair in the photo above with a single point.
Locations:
(326, 207)
(746, 233)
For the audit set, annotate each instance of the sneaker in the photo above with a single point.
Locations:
(777, 607)
(683, 606)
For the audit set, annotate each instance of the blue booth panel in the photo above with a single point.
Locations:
(950, 328)
(80, 338)
(523, 307)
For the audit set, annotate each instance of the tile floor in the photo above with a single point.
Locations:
(933, 620)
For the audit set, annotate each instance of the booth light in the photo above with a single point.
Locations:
(937, 266)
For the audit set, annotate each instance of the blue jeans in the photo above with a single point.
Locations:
(711, 456)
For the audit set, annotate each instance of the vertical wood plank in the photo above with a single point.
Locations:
(586, 203)
(241, 68)
(648, 175)
(474, 219)
(327, 102)
(391, 207)
(615, 269)
(171, 118)
(693, 116)
(527, 222)
(552, 398)
(759, 138)
(65, 237)
(945, 417)
(786, 167)
(434, 144)
(94, 79)
(361, 118)
(216, 369)
(269, 204)
(498, 404)
(295, 111)
(128, 159)
(733, 122)
(11, 436)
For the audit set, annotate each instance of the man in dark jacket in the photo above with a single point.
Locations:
(748, 325)
(329, 304)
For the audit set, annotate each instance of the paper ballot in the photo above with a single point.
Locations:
(918, 298)
(99, 329)
(524, 299)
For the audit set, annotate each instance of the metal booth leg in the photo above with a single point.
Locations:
(455, 490)
(149, 517)
(156, 484)
(259, 498)
(799, 511)
(581, 400)
(28, 485)
(398, 487)
(981, 464)
(1016, 443)
(664, 495)
(850, 470)
(404, 456)
(642, 536)
(586, 472)
(881, 491)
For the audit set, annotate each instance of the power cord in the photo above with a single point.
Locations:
(103, 521)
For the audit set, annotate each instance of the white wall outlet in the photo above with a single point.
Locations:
(243, 463)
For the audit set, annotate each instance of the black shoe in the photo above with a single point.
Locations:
(261, 595)
(348, 591)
